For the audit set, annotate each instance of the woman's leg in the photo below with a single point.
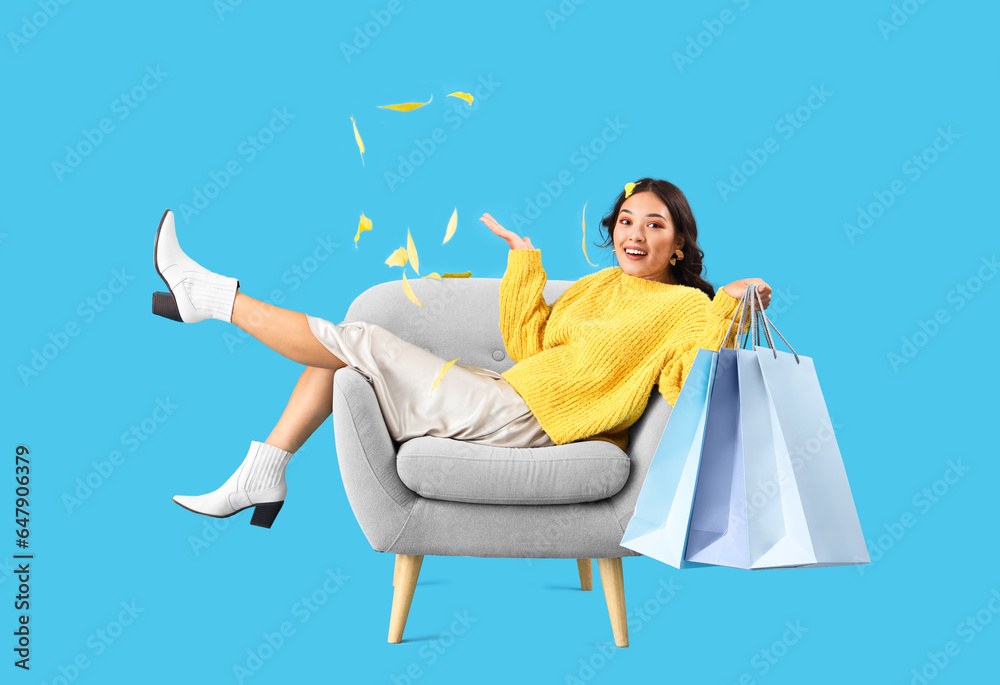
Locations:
(285, 331)
(308, 408)
(260, 479)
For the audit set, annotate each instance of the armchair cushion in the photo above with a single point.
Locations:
(460, 471)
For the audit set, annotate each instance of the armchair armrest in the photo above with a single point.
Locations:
(643, 439)
(366, 454)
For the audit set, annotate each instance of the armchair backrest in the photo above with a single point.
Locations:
(460, 317)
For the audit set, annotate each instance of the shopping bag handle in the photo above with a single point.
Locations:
(768, 322)
(738, 316)
(751, 298)
(755, 324)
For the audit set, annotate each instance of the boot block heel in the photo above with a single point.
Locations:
(264, 514)
(165, 305)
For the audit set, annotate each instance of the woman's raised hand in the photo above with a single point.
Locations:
(737, 288)
(515, 242)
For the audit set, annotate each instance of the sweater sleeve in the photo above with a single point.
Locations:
(523, 311)
(706, 326)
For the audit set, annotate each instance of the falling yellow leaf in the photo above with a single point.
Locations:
(585, 235)
(397, 258)
(467, 274)
(411, 251)
(409, 291)
(452, 225)
(629, 187)
(406, 106)
(442, 372)
(357, 137)
(460, 94)
(364, 225)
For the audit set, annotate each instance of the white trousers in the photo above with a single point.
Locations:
(470, 403)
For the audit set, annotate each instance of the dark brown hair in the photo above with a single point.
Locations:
(686, 271)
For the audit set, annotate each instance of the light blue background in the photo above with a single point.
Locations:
(847, 304)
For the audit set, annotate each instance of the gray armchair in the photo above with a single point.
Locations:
(447, 497)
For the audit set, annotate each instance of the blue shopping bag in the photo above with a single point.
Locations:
(659, 526)
(717, 532)
(762, 500)
(817, 468)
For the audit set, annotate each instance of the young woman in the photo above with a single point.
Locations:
(584, 366)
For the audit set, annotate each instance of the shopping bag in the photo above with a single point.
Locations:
(771, 494)
(818, 471)
(659, 526)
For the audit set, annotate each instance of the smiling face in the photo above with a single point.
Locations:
(644, 223)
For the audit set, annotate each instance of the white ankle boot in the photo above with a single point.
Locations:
(195, 292)
(258, 482)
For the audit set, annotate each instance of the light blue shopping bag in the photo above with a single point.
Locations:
(659, 526)
(772, 491)
(804, 432)
(718, 530)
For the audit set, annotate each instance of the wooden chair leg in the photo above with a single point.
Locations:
(614, 593)
(395, 572)
(402, 594)
(586, 568)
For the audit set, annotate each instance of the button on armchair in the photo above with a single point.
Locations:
(445, 497)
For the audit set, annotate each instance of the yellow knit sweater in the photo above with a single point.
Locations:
(586, 365)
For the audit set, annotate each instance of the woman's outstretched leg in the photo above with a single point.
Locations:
(307, 409)
(285, 331)
(196, 294)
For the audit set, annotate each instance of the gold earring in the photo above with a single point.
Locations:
(677, 255)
